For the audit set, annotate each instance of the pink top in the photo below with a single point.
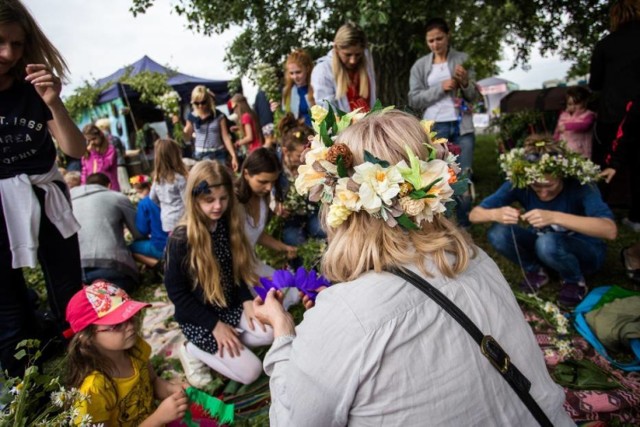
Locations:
(106, 163)
(247, 120)
(577, 131)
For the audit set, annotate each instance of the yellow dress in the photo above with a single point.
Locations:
(134, 401)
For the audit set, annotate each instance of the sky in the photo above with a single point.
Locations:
(97, 37)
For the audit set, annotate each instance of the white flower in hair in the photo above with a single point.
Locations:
(347, 194)
(378, 185)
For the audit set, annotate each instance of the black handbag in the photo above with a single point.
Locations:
(488, 345)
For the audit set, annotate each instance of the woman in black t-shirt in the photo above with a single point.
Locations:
(31, 112)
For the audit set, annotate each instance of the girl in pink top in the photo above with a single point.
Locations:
(576, 122)
(250, 131)
(100, 156)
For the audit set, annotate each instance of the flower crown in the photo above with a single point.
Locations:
(525, 169)
(139, 179)
(399, 194)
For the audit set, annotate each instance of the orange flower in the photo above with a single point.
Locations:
(452, 177)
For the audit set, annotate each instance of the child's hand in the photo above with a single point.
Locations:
(507, 215)
(45, 82)
(227, 338)
(172, 408)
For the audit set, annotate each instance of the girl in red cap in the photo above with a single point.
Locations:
(109, 362)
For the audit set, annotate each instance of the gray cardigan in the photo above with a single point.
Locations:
(421, 96)
(324, 84)
(102, 214)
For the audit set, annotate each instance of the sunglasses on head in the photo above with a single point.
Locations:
(535, 157)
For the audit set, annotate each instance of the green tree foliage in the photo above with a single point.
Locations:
(395, 29)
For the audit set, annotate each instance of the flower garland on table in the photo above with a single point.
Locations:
(525, 169)
(404, 194)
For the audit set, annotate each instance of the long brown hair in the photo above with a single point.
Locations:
(302, 59)
(623, 11)
(241, 107)
(364, 243)
(203, 264)
(167, 161)
(84, 358)
(349, 35)
(37, 47)
(92, 131)
(258, 161)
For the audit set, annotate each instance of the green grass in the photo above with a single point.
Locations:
(487, 179)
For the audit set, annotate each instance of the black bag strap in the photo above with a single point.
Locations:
(488, 345)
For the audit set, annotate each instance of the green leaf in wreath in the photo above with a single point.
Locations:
(324, 135)
(342, 170)
(368, 157)
(406, 223)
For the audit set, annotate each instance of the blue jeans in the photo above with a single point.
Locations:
(59, 259)
(297, 229)
(466, 142)
(219, 156)
(572, 256)
(146, 248)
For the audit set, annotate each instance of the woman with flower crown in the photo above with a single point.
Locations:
(374, 349)
(567, 218)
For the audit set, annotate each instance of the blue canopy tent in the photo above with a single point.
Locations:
(120, 102)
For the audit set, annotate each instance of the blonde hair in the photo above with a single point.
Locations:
(364, 243)
(203, 265)
(201, 93)
(349, 35)
(624, 11)
(302, 59)
(104, 124)
(37, 47)
(167, 161)
(241, 107)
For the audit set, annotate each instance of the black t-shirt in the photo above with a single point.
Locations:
(25, 143)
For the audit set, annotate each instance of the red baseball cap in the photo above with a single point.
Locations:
(101, 303)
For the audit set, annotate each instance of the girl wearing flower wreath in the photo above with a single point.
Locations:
(210, 128)
(209, 264)
(100, 157)
(345, 77)
(31, 111)
(374, 349)
(566, 217)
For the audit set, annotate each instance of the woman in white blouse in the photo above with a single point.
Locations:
(374, 350)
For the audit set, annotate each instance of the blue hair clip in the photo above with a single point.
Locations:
(202, 188)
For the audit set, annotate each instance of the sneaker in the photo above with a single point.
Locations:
(533, 281)
(635, 226)
(571, 293)
(198, 374)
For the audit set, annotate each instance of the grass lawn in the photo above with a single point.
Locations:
(486, 179)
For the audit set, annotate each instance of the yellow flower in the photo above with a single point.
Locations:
(307, 178)
(318, 113)
(427, 125)
(377, 185)
(347, 197)
(337, 215)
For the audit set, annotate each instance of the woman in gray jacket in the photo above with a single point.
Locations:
(442, 88)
